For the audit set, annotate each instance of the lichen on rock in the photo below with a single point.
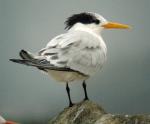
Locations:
(88, 112)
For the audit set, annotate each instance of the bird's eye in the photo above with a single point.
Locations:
(97, 21)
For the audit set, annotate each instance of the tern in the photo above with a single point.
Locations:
(3, 121)
(75, 55)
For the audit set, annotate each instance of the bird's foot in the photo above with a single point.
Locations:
(85, 99)
(71, 104)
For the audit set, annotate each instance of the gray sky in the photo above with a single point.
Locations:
(122, 86)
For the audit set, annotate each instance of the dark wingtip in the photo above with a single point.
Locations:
(22, 50)
(13, 60)
(22, 53)
(19, 61)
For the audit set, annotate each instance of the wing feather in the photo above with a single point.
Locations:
(80, 51)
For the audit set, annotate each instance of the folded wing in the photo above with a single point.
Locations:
(79, 51)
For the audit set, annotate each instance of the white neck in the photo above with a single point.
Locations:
(94, 31)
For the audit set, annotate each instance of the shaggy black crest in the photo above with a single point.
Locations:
(85, 18)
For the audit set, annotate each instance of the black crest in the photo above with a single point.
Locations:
(85, 18)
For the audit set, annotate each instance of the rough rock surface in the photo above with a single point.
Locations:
(88, 112)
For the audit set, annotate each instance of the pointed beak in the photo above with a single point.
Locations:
(114, 25)
(10, 122)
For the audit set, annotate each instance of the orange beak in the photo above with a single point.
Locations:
(111, 25)
(10, 122)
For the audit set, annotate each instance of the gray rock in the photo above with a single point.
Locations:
(88, 112)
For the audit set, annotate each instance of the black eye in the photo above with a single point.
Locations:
(97, 21)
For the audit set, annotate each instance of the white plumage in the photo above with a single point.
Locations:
(82, 51)
(75, 55)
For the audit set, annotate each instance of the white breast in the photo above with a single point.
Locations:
(63, 76)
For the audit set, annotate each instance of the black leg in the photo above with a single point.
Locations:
(68, 92)
(85, 92)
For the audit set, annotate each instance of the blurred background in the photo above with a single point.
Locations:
(121, 87)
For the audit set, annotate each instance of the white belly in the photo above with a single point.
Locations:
(64, 76)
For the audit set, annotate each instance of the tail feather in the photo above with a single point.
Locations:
(25, 62)
(34, 62)
(25, 55)
(27, 59)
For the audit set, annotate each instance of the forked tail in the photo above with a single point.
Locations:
(28, 59)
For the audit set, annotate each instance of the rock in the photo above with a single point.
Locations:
(88, 112)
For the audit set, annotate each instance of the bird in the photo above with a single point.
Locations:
(3, 121)
(75, 55)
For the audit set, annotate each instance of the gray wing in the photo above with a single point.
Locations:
(79, 51)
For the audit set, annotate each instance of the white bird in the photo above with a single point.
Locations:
(76, 54)
(3, 121)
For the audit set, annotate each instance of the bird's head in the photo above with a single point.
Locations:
(92, 21)
(3, 121)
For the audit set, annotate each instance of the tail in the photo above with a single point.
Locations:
(26, 55)
(22, 61)
(27, 58)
